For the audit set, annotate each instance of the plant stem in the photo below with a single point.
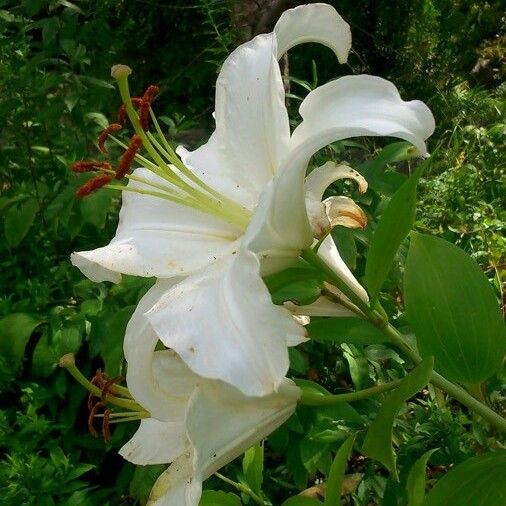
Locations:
(313, 399)
(241, 488)
(396, 338)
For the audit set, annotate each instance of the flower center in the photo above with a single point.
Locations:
(178, 183)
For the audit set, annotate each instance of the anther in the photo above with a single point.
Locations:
(93, 185)
(128, 156)
(91, 417)
(136, 102)
(89, 166)
(104, 134)
(108, 384)
(106, 427)
(147, 100)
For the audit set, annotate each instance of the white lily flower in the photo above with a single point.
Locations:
(198, 425)
(244, 210)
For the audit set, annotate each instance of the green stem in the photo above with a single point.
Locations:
(241, 488)
(396, 338)
(313, 399)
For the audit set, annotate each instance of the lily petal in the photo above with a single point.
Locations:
(320, 307)
(252, 130)
(221, 321)
(320, 178)
(159, 381)
(155, 442)
(157, 237)
(353, 106)
(343, 211)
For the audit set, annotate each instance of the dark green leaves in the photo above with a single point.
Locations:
(378, 440)
(416, 480)
(476, 482)
(218, 498)
(394, 225)
(15, 332)
(453, 311)
(300, 500)
(336, 475)
(253, 467)
(18, 221)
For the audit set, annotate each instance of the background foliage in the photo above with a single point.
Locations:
(55, 97)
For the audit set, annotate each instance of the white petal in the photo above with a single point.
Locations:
(329, 252)
(343, 211)
(320, 178)
(320, 307)
(155, 442)
(158, 381)
(223, 324)
(354, 106)
(156, 237)
(222, 424)
(313, 23)
(177, 486)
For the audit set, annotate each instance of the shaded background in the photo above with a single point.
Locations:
(56, 95)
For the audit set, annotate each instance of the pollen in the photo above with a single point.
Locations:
(147, 99)
(104, 134)
(128, 156)
(93, 185)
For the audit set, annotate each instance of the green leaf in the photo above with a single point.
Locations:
(218, 498)
(300, 500)
(253, 467)
(18, 221)
(378, 440)
(453, 311)
(478, 481)
(415, 484)
(15, 332)
(345, 330)
(336, 475)
(394, 225)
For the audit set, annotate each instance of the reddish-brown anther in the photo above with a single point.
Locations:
(89, 166)
(93, 412)
(106, 427)
(108, 385)
(147, 100)
(93, 185)
(104, 134)
(128, 156)
(136, 101)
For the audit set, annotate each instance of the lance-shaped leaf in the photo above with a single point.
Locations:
(478, 481)
(378, 440)
(453, 311)
(253, 467)
(336, 475)
(394, 225)
(416, 480)
(345, 330)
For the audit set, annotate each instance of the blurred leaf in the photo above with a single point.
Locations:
(394, 225)
(18, 221)
(253, 467)
(345, 242)
(478, 481)
(378, 440)
(344, 330)
(453, 311)
(300, 500)
(95, 207)
(218, 498)
(143, 480)
(415, 484)
(336, 475)
(15, 332)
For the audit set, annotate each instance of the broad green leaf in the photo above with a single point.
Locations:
(478, 481)
(95, 207)
(416, 480)
(336, 475)
(218, 498)
(253, 467)
(18, 221)
(453, 311)
(394, 225)
(344, 330)
(15, 332)
(345, 242)
(300, 500)
(378, 440)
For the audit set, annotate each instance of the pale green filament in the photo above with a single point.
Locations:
(201, 197)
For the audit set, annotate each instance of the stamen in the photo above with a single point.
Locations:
(93, 185)
(91, 417)
(128, 156)
(107, 386)
(147, 100)
(104, 134)
(89, 166)
(106, 430)
(136, 101)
